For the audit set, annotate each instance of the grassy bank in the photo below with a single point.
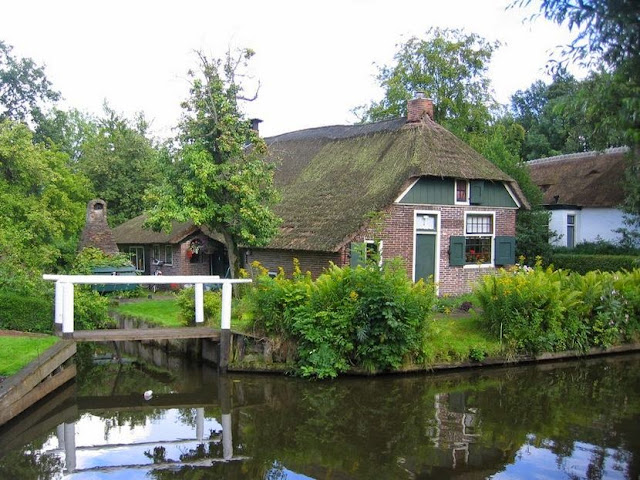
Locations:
(17, 351)
(163, 312)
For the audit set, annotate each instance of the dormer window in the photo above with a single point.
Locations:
(462, 192)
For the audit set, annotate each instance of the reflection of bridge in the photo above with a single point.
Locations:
(66, 434)
(62, 410)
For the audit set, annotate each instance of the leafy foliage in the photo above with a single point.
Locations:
(42, 204)
(212, 307)
(587, 263)
(121, 163)
(450, 67)
(368, 317)
(541, 309)
(219, 178)
(24, 87)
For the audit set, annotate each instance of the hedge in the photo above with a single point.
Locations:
(28, 313)
(589, 263)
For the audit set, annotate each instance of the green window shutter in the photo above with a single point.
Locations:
(456, 251)
(476, 188)
(358, 254)
(505, 251)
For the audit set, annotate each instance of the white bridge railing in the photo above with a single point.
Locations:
(64, 304)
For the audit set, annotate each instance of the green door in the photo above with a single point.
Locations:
(425, 256)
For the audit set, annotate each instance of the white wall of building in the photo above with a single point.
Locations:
(591, 224)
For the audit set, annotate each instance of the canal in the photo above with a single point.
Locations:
(571, 420)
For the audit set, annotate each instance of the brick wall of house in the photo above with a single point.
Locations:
(314, 262)
(396, 233)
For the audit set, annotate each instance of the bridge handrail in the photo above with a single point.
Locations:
(64, 298)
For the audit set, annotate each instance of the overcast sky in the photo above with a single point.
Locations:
(315, 60)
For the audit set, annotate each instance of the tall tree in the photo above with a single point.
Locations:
(121, 163)
(24, 87)
(42, 205)
(219, 178)
(450, 67)
(540, 110)
(608, 32)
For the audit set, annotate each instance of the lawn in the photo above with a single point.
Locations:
(17, 351)
(165, 312)
(459, 338)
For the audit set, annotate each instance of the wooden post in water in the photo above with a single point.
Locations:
(225, 328)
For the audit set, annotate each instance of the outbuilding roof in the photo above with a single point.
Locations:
(588, 179)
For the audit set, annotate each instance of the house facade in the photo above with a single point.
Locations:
(402, 188)
(186, 250)
(583, 192)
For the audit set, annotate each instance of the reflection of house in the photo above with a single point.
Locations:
(187, 250)
(584, 192)
(445, 210)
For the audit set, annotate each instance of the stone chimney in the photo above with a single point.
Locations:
(418, 107)
(96, 232)
(255, 124)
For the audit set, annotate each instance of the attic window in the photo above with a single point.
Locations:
(593, 172)
(462, 192)
(98, 206)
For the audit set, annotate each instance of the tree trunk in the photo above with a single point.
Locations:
(233, 254)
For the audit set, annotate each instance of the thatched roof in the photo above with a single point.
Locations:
(590, 179)
(330, 178)
(132, 232)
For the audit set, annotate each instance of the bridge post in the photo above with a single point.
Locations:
(59, 295)
(225, 327)
(67, 310)
(199, 301)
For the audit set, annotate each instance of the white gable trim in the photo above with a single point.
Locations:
(397, 200)
(510, 192)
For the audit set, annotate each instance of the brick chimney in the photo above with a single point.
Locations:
(418, 107)
(96, 232)
(255, 124)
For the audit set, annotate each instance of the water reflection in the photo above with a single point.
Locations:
(563, 421)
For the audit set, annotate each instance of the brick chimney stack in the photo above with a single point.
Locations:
(255, 124)
(418, 107)
(96, 232)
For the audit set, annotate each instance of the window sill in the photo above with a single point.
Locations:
(475, 267)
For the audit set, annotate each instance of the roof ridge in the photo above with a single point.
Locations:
(578, 155)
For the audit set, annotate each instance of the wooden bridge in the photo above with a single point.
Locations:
(64, 309)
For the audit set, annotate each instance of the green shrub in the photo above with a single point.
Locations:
(527, 307)
(369, 317)
(587, 263)
(27, 313)
(90, 309)
(600, 247)
(545, 310)
(212, 301)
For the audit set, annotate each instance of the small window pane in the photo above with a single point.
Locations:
(168, 255)
(426, 222)
(478, 250)
(461, 191)
(479, 224)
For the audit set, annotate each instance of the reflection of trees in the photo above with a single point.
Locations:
(28, 463)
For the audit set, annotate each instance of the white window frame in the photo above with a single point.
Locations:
(373, 242)
(168, 248)
(133, 250)
(161, 249)
(436, 232)
(481, 235)
(573, 225)
(455, 192)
